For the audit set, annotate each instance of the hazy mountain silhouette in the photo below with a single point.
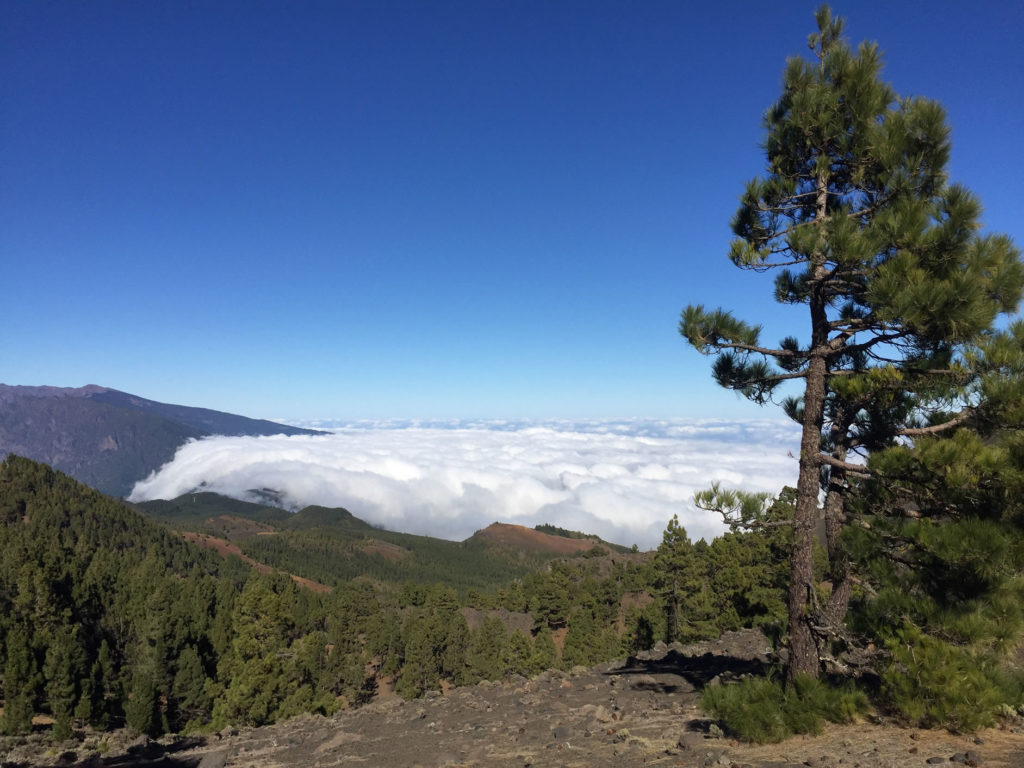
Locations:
(106, 438)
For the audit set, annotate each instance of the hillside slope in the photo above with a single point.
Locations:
(109, 439)
(331, 546)
(93, 596)
(531, 540)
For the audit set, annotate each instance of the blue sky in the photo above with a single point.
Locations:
(422, 209)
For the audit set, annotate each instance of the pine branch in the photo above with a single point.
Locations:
(956, 421)
(851, 325)
(885, 338)
(839, 342)
(761, 267)
(739, 509)
(782, 377)
(854, 469)
(741, 347)
(871, 209)
(776, 234)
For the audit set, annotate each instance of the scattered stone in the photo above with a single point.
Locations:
(597, 713)
(214, 759)
(935, 760)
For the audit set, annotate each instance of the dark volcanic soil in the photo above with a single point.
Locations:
(636, 713)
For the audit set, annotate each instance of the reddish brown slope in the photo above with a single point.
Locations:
(225, 548)
(524, 539)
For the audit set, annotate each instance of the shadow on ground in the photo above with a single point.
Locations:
(699, 671)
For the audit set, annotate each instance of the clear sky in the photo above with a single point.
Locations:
(422, 209)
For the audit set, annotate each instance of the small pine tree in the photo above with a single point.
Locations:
(142, 710)
(422, 636)
(545, 654)
(518, 654)
(189, 689)
(678, 572)
(486, 652)
(456, 645)
(60, 675)
(104, 701)
(19, 683)
(550, 602)
(640, 631)
(581, 641)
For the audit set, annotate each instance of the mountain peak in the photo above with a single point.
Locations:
(10, 392)
(525, 539)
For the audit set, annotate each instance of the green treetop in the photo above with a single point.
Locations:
(859, 223)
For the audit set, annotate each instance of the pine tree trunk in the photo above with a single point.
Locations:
(840, 573)
(803, 652)
(839, 563)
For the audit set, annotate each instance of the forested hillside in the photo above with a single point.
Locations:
(332, 546)
(101, 611)
(109, 619)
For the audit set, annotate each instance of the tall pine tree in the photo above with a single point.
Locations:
(856, 217)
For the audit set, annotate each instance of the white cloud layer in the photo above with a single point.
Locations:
(622, 480)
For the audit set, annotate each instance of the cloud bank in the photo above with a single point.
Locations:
(622, 480)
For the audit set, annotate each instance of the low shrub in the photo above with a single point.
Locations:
(767, 710)
(934, 684)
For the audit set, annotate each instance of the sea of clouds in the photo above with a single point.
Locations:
(620, 479)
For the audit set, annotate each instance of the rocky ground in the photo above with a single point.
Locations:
(642, 712)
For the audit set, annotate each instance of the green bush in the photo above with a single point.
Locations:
(931, 683)
(765, 710)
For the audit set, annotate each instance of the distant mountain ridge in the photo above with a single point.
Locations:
(330, 546)
(523, 539)
(110, 439)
